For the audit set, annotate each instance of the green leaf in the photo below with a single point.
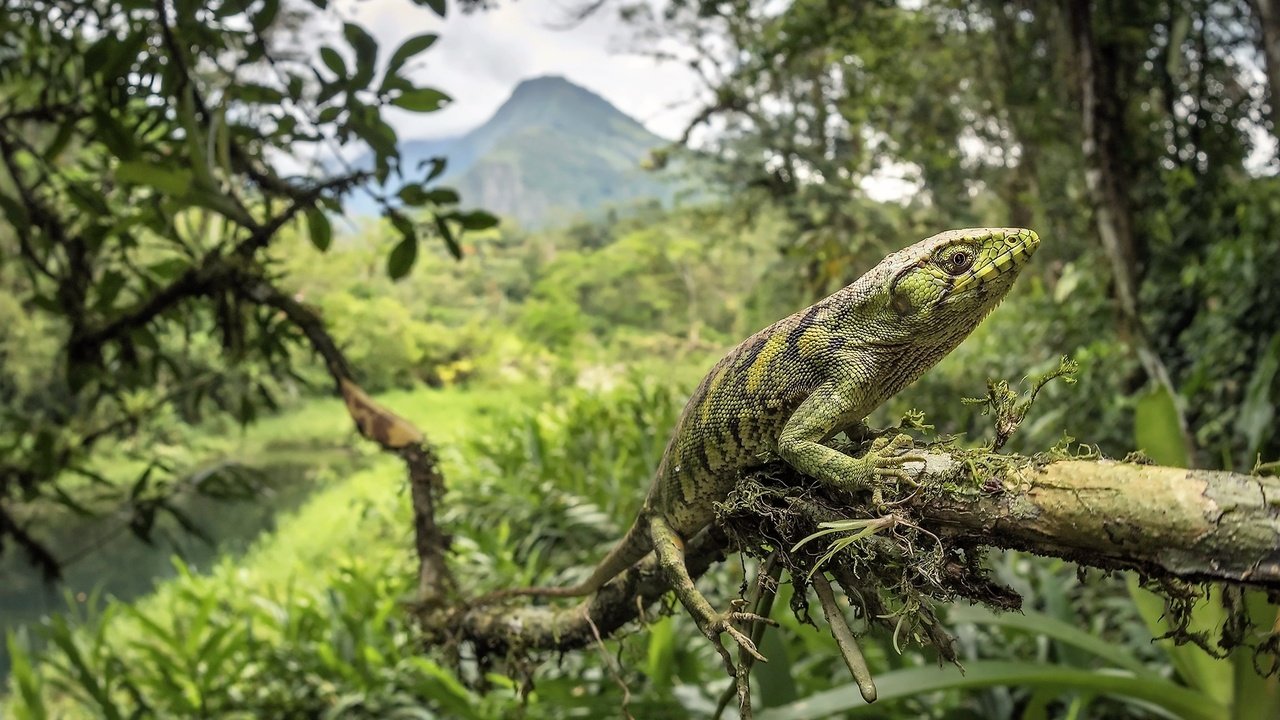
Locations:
(443, 196)
(333, 60)
(405, 253)
(60, 141)
(438, 164)
(1258, 410)
(394, 83)
(476, 220)
(24, 677)
(255, 93)
(413, 195)
(421, 100)
(118, 139)
(437, 6)
(402, 223)
(266, 16)
(775, 678)
(402, 257)
(15, 213)
(371, 128)
(1156, 429)
(168, 269)
(1038, 705)
(109, 289)
(660, 665)
(446, 234)
(366, 49)
(320, 230)
(1254, 695)
(408, 49)
(917, 681)
(170, 180)
(1039, 624)
(1197, 668)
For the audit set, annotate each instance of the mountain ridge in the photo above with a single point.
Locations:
(552, 151)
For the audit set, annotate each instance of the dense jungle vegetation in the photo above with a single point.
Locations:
(191, 527)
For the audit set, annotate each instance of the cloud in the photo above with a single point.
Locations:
(481, 57)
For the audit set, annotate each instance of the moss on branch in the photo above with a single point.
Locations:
(926, 544)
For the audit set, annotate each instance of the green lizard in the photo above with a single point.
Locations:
(787, 389)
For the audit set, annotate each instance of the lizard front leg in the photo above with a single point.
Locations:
(669, 548)
(817, 418)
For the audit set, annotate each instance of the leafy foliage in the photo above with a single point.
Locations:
(141, 187)
(151, 222)
(972, 103)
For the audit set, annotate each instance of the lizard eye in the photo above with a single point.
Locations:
(958, 261)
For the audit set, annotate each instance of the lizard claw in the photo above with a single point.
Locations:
(888, 456)
(724, 623)
(892, 446)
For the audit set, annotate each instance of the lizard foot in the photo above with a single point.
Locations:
(713, 626)
(887, 456)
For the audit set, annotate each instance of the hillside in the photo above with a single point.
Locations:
(552, 151)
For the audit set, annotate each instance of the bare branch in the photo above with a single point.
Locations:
(391, 432)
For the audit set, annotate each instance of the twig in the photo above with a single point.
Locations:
(760, 602)
(611, 664)
(847, 643)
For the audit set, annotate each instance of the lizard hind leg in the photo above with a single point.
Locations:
(669, 548)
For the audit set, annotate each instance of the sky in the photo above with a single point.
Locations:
(481, 57)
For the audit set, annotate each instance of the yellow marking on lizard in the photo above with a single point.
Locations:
(814, 341)
(1016, 251)
(756, 373)
(708, 399)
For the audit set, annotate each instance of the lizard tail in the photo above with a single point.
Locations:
(630, 549)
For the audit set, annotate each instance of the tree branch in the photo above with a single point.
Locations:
(37, 553)
(1167, 523)
(389, 431)
(210, 273)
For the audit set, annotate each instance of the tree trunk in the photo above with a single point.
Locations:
(1102, 138)
(1268, 15)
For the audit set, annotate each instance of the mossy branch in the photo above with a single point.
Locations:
(1172, 525)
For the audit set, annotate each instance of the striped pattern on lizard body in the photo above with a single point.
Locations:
(787, 389)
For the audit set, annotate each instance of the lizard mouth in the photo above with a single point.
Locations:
(1018, 248)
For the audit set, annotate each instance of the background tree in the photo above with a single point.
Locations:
(1009, 112)
(152, 155)
(166, 167)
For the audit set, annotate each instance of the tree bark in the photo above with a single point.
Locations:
(1169, 524)
(1268, 14)
(1102, 131)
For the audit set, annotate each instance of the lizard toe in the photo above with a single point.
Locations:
(745, 643)
(748, 617)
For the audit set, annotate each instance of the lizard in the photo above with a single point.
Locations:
(787, 389)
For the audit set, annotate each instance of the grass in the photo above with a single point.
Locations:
(367, 507)
(359, 507)
(309, 622)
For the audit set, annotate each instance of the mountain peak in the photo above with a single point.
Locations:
(553, 150)
(550, 85)
(543, 82)
(550, 96)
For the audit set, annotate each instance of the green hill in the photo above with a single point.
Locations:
(552, 151)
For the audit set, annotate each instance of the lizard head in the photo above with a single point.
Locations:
(942, 287)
